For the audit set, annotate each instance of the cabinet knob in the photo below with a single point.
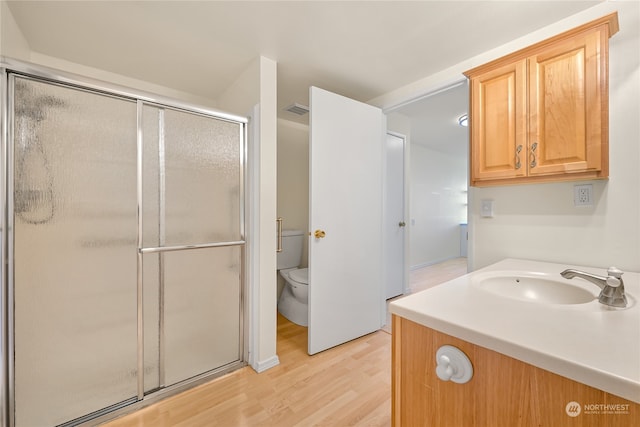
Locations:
(453, 365)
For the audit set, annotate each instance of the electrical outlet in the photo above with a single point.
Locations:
(583, 195)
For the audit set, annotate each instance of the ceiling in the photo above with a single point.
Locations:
(359, 49)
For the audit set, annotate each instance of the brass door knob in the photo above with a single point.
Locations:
(319, 234)
(402, 224)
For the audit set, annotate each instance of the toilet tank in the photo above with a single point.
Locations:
(291, 254)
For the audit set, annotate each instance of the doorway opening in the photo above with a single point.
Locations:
(437, 174)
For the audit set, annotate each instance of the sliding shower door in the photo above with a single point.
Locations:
(74, 252)
(192, 243)
(125, 250)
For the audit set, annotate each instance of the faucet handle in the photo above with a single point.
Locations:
(615, 272)
(614, 277)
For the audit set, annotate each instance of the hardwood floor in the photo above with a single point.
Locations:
(344, 386)
(432, 275)
(349, 385)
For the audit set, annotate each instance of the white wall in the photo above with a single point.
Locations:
(244, 93)
(255, 93)
(438, 205)
(12, 42)
(293, 177)
(293, 182)
(538, 221)
(267, 320)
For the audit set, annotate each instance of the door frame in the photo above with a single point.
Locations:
(405, 208)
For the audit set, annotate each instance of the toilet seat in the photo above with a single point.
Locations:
(300, 275)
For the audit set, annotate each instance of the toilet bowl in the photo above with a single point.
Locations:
(294, 299)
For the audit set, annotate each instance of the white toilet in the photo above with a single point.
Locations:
(294, 299)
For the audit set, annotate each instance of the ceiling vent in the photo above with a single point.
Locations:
(298, 109)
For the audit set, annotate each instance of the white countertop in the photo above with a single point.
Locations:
(589, 343)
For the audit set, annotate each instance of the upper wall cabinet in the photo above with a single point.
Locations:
(542, 113)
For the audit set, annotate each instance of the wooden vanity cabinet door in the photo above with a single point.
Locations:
(567, 116)
(499, 132)
(503, 392)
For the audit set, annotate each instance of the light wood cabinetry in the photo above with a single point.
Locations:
(502, 392)
(541, 114)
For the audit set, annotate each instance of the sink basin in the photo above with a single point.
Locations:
(535, 288)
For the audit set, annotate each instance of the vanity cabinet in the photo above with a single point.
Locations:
(541, 114)
(502, 392)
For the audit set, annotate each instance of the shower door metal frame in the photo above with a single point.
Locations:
(7, 375)
(5, 403)
(162, 248)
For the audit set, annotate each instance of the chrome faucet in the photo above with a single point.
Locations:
(612, 286)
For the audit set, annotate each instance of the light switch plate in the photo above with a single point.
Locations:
(486, 208)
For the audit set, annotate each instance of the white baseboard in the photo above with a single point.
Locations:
(433, 262)
(263, 365)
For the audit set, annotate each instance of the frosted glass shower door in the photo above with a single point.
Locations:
(74, 270)
(192, 243)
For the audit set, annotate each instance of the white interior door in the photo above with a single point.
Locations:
(346, 273)
(394, 221)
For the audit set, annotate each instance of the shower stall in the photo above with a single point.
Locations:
(122, 247)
